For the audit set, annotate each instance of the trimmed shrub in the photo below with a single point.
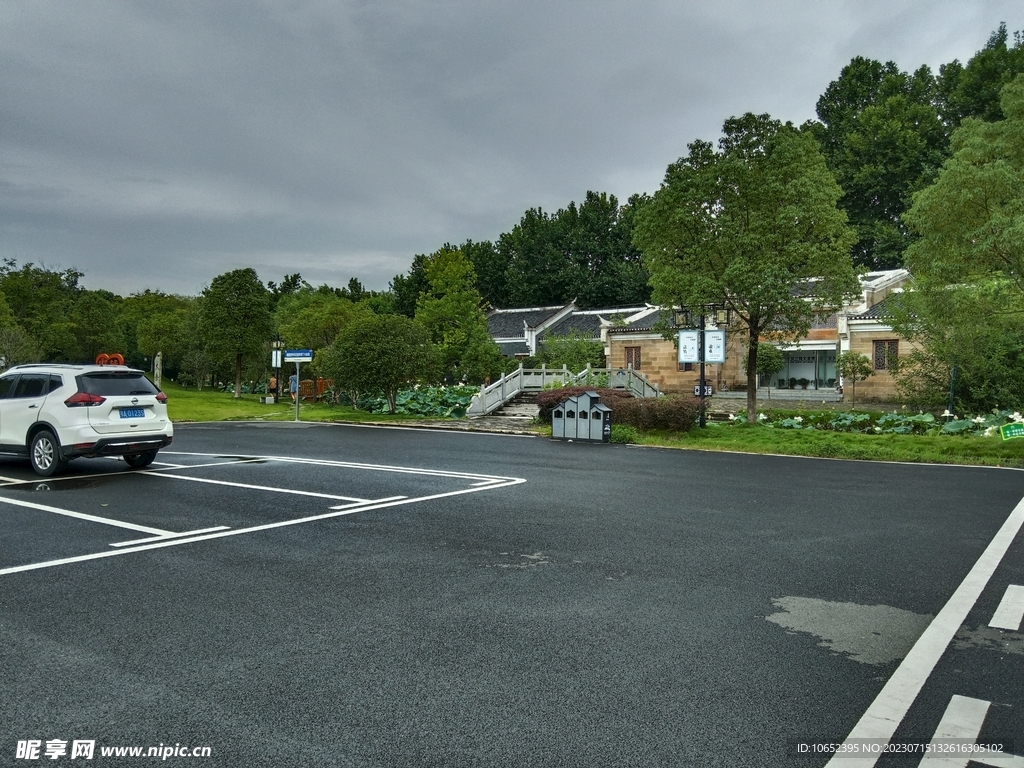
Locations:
(677, 414)
(623, 433)
(549, 398)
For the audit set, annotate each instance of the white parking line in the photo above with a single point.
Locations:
(359, 465)
(1010, 612)
(885, 713)
(271, 488)
(961, 723)
(84, 516)
(375, 501)
(265, 527)
(170, 536)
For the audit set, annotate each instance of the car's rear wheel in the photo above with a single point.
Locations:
(140, 460)
(44, 454)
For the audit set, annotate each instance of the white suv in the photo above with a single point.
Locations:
(54, 413)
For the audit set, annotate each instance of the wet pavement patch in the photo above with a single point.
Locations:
(869, 634)
(991, 639)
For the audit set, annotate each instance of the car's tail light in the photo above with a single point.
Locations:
(80, 399)
(161, 397)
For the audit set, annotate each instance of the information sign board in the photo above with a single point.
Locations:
(298, 355)
(714, 346)
(709, 390)
(689, 347)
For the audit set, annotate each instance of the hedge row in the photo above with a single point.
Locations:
(677, 414)
(673, 413)
(549, 398)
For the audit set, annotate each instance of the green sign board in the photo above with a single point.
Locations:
(1010, 431)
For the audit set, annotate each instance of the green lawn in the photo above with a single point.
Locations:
(941, 449)
(210, 405)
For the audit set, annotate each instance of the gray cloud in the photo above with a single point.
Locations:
(158, 145)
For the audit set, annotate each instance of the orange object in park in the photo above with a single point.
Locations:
(104, 359)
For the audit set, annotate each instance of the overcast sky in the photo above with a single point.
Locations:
(159, 144)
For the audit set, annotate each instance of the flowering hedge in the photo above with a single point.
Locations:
(894, 423)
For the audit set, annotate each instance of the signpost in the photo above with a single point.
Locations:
(701, 346)
(297, 356)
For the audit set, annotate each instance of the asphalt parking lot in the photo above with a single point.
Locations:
(315, 595)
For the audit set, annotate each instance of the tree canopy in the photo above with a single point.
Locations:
(450, 310)
(754, 227)
(379, 353)
(968, 263)
(235, 318)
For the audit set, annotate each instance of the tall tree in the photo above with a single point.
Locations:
(537, 271)
(313, 320)
(379, 353)
(582, 252)
(753, 226)
(450, 309)
(882, 136)
(44, 299)
(235, 318)
(968, 301)
(973, 90)
(407, 288)
(971, 220)
(95, 318)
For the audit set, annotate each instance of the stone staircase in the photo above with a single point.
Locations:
(521, 408)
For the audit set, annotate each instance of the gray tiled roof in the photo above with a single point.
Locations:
(508, 323)
(881, 310)
(589, 325)
(645, 323)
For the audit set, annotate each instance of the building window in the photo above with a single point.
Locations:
(885, 353)
(686, 366)
(633, 358)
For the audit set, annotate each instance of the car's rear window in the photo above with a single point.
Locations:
(114, 384)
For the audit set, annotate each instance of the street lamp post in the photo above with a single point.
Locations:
(683, 319)
(277, 345)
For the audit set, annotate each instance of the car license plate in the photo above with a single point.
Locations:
(132, 413)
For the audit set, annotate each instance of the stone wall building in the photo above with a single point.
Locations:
(635, 337)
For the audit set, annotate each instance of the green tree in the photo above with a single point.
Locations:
(155, 322)
(573, 350)
(313, 319)
(379, 353)
(450, 309)
(95, 318)
(853, 367)
(407, 288)
(769, 362)
(969, 336)
(44, 299)
(289, 285)
(753, 226)
(966, 307)
(581, 252)
(973, 90)
(235, 318)
(882, 136)
(971, 220)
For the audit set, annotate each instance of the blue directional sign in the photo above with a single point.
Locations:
(298, 355)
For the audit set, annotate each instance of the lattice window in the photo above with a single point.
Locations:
(885, 353)
(633, 358)
(686, 366)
